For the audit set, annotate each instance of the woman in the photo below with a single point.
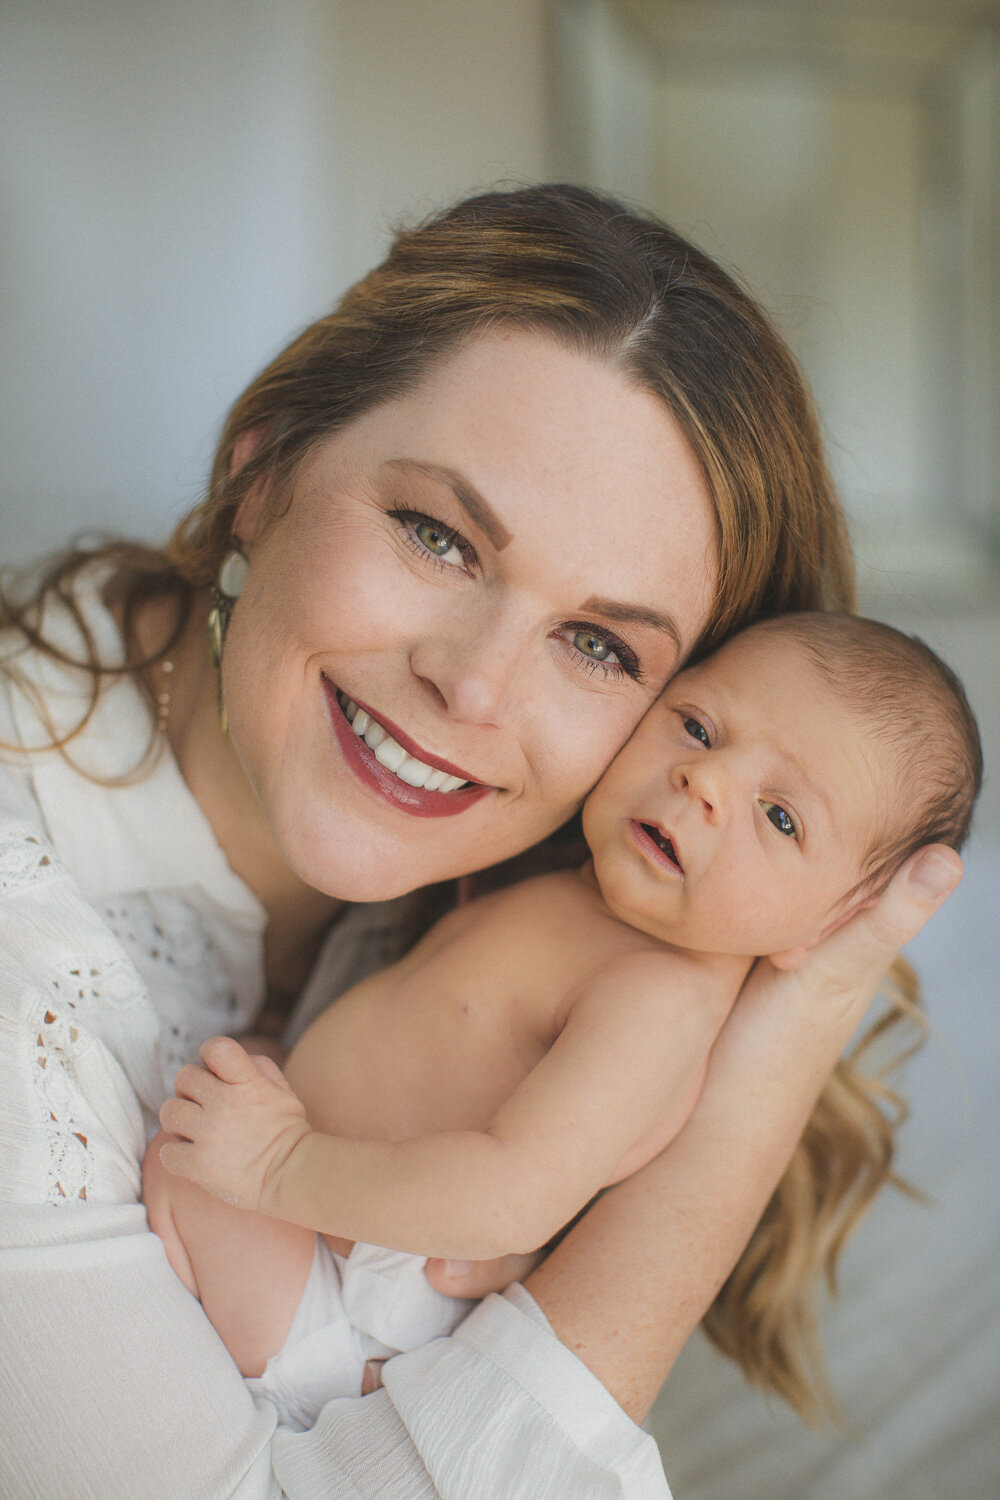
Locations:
(529, 465)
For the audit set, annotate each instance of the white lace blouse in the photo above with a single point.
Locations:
(125, 941)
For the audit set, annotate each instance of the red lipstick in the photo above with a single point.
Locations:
(417, 801)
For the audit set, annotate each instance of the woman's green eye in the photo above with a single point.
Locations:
(433, 538)
(781, 820)
(698, 732)
(591, 645)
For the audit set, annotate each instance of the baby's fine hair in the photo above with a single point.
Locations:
(917, 707)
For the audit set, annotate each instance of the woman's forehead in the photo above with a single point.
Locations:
(564, 458)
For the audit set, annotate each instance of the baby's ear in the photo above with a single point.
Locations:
(794, 958)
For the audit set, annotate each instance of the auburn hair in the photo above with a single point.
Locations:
(622, 287)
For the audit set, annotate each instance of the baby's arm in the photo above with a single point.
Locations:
(635, 1037)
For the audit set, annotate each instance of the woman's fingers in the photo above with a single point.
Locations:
(477, 1278)
(856, 956)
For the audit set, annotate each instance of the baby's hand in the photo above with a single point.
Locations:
(237, 1122)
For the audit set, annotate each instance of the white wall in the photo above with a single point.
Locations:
(184, 185)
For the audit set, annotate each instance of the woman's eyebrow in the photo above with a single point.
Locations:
(468, 497)
(636, 614)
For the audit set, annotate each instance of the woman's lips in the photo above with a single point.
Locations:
(412, 748)
(418, 801)
(657, 845)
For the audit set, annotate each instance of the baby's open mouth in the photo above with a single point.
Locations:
(662, 843)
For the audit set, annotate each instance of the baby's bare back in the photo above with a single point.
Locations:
(441, 1039)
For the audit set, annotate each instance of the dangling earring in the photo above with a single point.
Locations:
(228, 587)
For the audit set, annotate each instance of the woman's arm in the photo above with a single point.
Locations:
(630, 1283)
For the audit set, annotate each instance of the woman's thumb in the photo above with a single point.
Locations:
(864, 948)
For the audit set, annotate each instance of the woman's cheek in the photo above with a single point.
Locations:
(364, 592)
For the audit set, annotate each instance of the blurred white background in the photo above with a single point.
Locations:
(184, 185)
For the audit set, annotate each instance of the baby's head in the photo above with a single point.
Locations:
(775, 787)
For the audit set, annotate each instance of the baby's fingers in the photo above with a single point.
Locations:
(224, 1057)
(181, 1117)
(192, 1082)
(271, 1070)
(179, 1159)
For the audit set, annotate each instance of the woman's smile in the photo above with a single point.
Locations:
(394, 766)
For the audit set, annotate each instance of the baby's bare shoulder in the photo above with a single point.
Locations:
(654, 978)
(548, 927)
(541, 904)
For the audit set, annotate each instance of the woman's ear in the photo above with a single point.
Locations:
(247, 519)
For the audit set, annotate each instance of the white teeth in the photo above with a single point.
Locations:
(392, 755)
(414, 772)
(389, 754)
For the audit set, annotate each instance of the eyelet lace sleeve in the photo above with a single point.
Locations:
(98, 1010)
(26, 859)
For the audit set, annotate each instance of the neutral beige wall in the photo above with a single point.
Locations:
(814, 195)
(183, 189)
(430, 99)
(844, 161)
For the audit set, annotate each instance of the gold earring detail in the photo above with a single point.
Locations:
(228, 587)
(163, 696)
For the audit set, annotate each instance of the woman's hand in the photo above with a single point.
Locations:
(477, 1278)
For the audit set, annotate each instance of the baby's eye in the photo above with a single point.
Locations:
(781, 819)
(698, 732)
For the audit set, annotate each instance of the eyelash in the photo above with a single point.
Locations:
(627, 664)
(408, 519)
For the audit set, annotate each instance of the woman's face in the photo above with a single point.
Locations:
(501, 569)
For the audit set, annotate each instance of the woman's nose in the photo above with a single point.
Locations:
(472, 673)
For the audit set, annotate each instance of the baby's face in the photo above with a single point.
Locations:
(738, 816)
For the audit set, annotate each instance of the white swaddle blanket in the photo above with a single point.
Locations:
(370, 1304)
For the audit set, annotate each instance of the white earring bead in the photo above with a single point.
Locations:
(232, 574)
